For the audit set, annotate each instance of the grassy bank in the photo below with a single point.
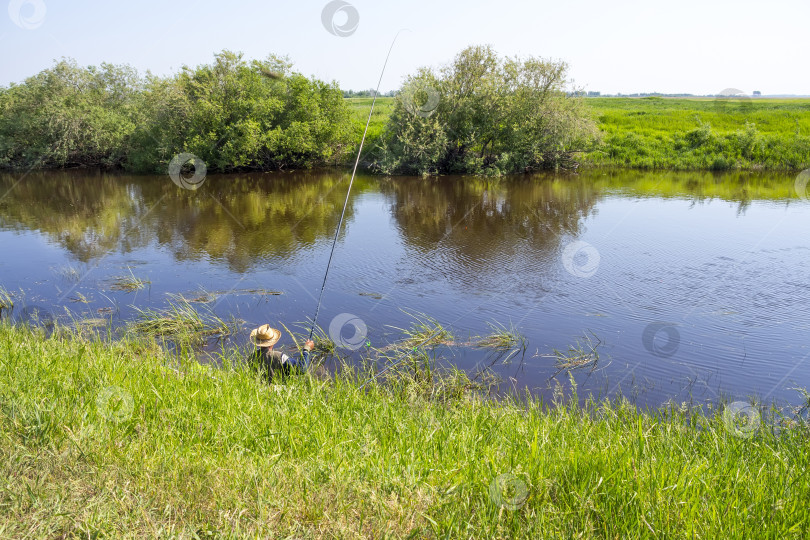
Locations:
(683, 134)
(120, 440)
(716, 134)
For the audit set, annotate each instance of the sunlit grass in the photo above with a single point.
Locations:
(114, 440)
(180, 321)
(707, 134)
(79, 298)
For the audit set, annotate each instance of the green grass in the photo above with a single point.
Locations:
(679, 134)
(359, 109)
(708, 134)
(106, 440)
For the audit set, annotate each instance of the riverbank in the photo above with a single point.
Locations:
(678, 134)
(120, 439)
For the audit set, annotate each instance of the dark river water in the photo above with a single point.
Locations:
(694, 286)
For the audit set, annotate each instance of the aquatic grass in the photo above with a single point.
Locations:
(129, 283)
(261, 292)
(583, 353)
(79, 298)
(200, 297)
(6, 300)
(425, 331)
(103, 438)
(418, 375)
(501, 337)
(69, 273)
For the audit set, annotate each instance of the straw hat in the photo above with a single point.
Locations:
(264, 336)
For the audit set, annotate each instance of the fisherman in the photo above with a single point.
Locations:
(271, 362)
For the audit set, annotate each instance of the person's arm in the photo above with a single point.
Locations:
(308, 346)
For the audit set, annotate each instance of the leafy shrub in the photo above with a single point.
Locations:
(486, 115)
(230, 113)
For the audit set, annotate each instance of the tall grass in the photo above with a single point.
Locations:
(180, 321)
(105, 440)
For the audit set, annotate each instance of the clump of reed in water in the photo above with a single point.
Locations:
(502, 338)
(582, 354)
(70, 273)
(129, 283)
(424, 331)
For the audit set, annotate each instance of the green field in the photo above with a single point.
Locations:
(683, 134)
(123, 440)
(360, 108)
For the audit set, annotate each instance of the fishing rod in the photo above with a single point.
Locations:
(348, 192)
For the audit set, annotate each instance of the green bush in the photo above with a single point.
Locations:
(69, 116)
(230, 114)
(485, 115)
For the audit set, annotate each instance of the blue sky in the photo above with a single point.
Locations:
(621, 46)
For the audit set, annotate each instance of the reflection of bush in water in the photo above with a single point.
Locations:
(237, 219)
(84, 213)
(477, 217)
(249, 219)
(242, 219)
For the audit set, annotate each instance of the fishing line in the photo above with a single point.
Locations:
(348, 192)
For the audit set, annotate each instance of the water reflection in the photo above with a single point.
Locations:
(245, 219)
(241, 220)
(718, 255)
